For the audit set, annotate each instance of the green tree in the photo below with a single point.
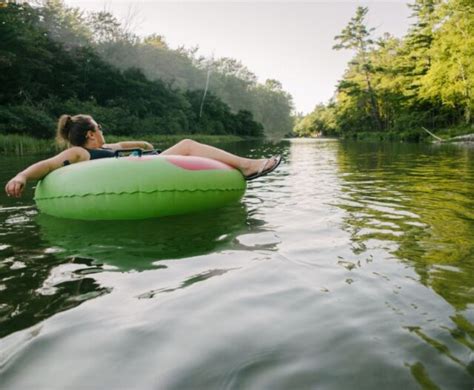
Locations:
(321, 121)
(274, 108)
(156, 40)
(104, 27)
(356, 36)
(64, 24)
(43, 77)
(450, 76)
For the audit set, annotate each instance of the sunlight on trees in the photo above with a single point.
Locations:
(396, 86)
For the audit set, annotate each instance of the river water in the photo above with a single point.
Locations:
(352, 266)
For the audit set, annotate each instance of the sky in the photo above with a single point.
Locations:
(290, 41)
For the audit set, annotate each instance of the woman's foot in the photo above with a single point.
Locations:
(262, 167)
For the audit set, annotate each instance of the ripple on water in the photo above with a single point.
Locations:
(350, 266)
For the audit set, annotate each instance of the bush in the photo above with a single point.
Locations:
(27, 120)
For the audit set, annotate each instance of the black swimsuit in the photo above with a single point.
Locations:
(101, 153)
(107, 153)
(96, 153)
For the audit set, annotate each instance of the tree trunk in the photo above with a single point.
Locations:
(373, 103)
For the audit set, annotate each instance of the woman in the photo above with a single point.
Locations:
(86, 141)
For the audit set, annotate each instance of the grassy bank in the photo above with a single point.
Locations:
(159, 141)
(22, 144)
(406, 136)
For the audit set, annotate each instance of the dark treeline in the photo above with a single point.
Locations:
(55, 60)
(393, 87)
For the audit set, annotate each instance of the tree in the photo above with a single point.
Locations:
(416, 46)
(232, 67)
(65, 25)
(156, 40)
(451, 74)
(356, 36)
(321, 121)
(104, 27)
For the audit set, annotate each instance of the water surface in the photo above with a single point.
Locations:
(352, 266)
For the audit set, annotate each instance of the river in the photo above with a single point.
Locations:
(351, 266)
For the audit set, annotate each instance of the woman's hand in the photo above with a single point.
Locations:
(40, 169)
(16, 186)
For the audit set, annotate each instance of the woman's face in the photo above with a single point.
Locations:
(96, 136)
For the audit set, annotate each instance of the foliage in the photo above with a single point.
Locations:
(393, 87)
(24, 144)
(320, 121)
(450, 77)
(26, 119)
(184, 70)
(52, 62)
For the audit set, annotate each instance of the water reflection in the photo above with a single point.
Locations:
(418, 198)
(416, 202)
(26, 266)
(138, 245)
(47, 264)
(52, 270)
(350, 266)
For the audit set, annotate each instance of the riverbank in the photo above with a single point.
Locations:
(16, 144)
(417, 135)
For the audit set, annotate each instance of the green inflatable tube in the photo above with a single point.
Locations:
(138, 187)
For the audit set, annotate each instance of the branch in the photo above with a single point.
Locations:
(433, 135)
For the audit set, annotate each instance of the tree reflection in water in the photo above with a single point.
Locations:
(416, 201)
(48, 265)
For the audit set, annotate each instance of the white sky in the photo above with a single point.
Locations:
(289, 41)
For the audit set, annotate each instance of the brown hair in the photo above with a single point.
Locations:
(73, 129)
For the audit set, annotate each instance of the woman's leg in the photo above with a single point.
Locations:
(189, 147)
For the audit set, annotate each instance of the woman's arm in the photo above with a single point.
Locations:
(130, 145)
(40, 169)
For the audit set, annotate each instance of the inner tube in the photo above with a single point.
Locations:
(138, 187)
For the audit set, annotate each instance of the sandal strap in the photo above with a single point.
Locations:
(262, 168)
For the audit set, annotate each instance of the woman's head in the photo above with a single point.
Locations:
(78, 130)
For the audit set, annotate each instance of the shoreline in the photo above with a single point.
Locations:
(16, 144)
(447, 135)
